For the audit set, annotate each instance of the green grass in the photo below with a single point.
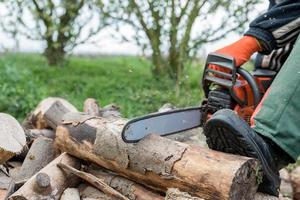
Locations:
(26, 79)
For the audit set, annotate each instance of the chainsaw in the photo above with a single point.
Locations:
(231, 88)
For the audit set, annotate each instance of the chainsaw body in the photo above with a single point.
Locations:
(233, 87)
(230, 87)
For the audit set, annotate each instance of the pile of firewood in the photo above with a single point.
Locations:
(61, 153)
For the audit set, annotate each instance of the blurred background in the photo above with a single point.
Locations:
(138, 54)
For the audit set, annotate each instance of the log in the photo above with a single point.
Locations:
(12, 137)
(70, 194)
(295, 179)
(41, 153)
(110, 110)
(126, 187)
(94, 181)
(157, 162)
(91, 107)
(261, 196)
(35, 133)
(175, 194)
(87, 192)
(47, 106)
(50, 182)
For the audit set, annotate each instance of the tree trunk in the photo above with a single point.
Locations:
(158, 162)
(54, 56)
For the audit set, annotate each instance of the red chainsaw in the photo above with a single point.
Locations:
(232, 88)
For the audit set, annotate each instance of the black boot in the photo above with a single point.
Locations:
(227, 132)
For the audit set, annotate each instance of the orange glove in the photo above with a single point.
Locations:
(240, 50)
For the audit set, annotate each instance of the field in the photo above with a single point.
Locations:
(126, 81)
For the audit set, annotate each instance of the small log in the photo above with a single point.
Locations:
(175, 194)
(261, 196)
(93, 180)
(110, 110)
(158, 162)
(12, 137)
(50, 182)
(126, 187)
(35, 133)
(88, 192)
(70, 194)
(91, 107)
(47, 106)
(41, 153)
(295, 179)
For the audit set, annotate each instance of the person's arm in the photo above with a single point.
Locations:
(278, 26)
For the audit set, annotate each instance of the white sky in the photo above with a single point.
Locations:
(108, 45)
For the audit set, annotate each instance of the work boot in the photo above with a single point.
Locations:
(227, 132)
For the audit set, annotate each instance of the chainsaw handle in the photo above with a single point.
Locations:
(252, 83)
(229, 80)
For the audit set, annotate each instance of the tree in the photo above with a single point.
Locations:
(61, 24)
(165, 27)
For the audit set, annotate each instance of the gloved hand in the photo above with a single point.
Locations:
(240, 50)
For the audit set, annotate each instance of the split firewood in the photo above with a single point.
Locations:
(261, 196)
(91, 107)
(41, 153)
(158, 162)
(295, 179)
(50, 182)
(94, 181)
(175, 194)
(126, 187)
(32, 134)
(12, 137)
(88, 192)
(70, 194)
(110, 110)
(36, 120)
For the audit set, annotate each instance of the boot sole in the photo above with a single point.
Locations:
(238, 141)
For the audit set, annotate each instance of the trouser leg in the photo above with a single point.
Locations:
(279, 115)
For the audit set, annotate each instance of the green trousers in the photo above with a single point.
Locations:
(279, 115)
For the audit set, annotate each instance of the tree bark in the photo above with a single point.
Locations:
(50, 182)
(12, 137)
(126, 187)
(158, 162)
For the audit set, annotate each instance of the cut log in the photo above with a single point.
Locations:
(50, 182)
(126, 187)
(70, 194)
(35, 133)
(91, 107)
(48, 106)
(110, 110)
(87, 192)
(157, 162)
(41, 153)
(94, 181)
(295, 179)
(12, 137)
(175, 194)
(261, 196)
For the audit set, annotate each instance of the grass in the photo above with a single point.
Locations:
(26, 79)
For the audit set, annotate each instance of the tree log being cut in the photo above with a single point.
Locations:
(158, 162)
(12, 137)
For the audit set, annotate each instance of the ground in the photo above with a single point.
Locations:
(126, 81)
